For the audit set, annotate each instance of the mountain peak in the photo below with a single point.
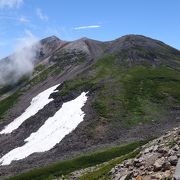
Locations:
(50, 39)
(84, 38)
(132, 84)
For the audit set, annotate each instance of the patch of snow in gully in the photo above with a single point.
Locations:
(52, 132)
(37, 104)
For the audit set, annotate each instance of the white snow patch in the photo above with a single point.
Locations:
(37, 104)
(52, 132)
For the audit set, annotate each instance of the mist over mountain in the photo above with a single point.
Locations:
(22, 61)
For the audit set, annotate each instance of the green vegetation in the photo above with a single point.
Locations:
(77, 85)
(103, 171)
(41, 76)
(148, 92)
(136, 95)
(11, 99)
(6, 88)
(44, 73)
(62, 60)
(39, 68)
(7, 103)
(12, 86)
(68, 166)
(101, 108)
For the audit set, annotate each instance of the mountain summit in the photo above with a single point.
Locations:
(85, 96)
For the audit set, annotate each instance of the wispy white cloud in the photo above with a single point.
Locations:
(41, 15)
(87, 27)
(23, 19)
(22, 60)
(10, 3)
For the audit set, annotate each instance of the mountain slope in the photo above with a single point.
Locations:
(133, 93)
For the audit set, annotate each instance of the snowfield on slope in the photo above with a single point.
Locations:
(37, 104)
(65, 120)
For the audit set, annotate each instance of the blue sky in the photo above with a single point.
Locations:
(96, 19)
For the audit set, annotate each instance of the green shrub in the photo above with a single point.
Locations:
(68, 166)
(7, 103)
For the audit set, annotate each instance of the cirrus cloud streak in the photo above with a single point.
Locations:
(41, 16)
(87, 27)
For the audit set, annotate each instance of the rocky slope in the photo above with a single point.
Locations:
(133, 86)
(157, 160)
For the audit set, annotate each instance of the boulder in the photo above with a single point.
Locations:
(162, 150)
(156, 176)
(173, 160)
(171, 152)
(176, 148)
(135, 173)
(166, 165)
(128, 163)
(138, 162)
(158, 165)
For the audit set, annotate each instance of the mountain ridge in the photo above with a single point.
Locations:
(132, 86)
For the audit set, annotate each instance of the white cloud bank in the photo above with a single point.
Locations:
(52, 132)
(87, 27)
(10, 3)
(22, 61)
(37, 104)
(41, 16)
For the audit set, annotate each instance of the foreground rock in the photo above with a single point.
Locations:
(157, 160)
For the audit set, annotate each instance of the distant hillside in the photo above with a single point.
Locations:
(132, 86)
